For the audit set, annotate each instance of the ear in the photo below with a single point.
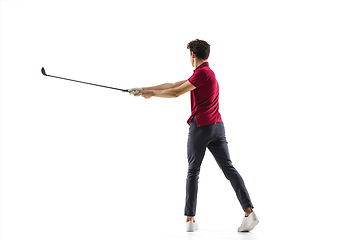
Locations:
(193, 55)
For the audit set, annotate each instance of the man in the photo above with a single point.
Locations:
(206, 131)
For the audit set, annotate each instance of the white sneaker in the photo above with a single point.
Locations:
(248, 223)
(191, 226)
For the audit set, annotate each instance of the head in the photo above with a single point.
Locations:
(199, 51)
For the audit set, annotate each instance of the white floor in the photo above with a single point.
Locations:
(262, 232)
(310, 230)
(26, 220)
(162, 230)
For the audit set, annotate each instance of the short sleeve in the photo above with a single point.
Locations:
(198, 78)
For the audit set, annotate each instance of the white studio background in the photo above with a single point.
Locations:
(83, 162)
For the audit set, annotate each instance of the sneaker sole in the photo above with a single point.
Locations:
(250, 227)
(192, 228)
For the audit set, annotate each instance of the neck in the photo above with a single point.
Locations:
(198, 62)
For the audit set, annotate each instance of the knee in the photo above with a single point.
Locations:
(193, 173)
(230, 172)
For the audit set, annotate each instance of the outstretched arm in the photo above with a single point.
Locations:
(176, 90)
(165, 86)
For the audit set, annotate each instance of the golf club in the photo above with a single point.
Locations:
(44, 73)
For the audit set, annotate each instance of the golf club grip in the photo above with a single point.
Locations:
(123, 90)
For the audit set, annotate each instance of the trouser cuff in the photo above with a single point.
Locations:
(246, 206)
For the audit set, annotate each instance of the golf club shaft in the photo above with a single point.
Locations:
(124, 90)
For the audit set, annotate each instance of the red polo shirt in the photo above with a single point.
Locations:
(205, 97)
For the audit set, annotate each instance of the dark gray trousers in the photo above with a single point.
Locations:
(213, 138)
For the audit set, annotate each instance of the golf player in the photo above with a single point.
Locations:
(206, 131)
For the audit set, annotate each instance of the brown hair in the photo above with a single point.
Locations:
(200, 47)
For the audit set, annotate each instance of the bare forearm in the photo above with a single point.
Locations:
(165, 86)
(174, 92)
(167, 93)
(159, 87)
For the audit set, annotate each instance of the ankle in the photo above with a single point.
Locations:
(248, 211)
(188, 219)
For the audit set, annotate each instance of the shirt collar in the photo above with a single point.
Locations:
(204, 64)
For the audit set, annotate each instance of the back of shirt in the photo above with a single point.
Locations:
(205, 97)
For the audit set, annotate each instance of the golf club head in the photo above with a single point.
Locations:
(43, 71)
